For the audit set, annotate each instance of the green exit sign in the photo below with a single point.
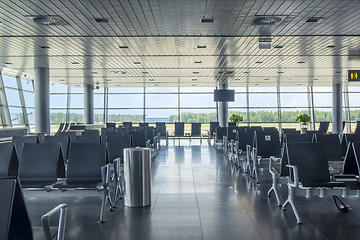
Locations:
(354, 75)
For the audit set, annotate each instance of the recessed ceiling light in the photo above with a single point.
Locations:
(207, 20)
(123, 72)
(299, 84)
(151, 79)
(258, 62)
(256, 84)
(246, 72)
(75, 63)
(123, 47)
(280, 72)
(201, 46)
(145, 72)
(301, 62)
(62, 80)
(108, 80)
(156, 84)
(266, 79)
(195, 72)
(331, 46)
(315, 79)
(137, 62)
(8, 63)
(101, 20)
(118, 85)
(237, 78)
(44, 47)
(94, 72)
(194, 79)
(198, 62)
(78, 85)
(278, 46)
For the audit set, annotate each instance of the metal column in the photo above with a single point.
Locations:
(337, 108)
(42, 99)
(88, 104)
(223, 109)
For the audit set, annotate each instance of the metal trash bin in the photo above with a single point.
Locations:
(137, 173)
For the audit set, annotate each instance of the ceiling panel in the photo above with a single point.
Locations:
(163, 43)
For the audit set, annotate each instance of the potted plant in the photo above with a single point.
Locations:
(236, 118)
(303, 119)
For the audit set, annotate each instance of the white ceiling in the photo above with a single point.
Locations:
(164, 35)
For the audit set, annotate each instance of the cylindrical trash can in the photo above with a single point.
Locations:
(137, 173)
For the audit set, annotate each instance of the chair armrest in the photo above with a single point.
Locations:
(62, 208)
(294, 171)
(105, 175)
(273, 160)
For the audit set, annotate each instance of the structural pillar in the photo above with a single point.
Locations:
(42, 99)
(223, 109)
(88, 104)
(337, 108)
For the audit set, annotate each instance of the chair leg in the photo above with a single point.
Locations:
(290, 200)
(274, 189)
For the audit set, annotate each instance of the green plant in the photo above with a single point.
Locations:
(236, 118)
(303, 118)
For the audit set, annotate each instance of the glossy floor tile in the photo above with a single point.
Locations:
(198, 194)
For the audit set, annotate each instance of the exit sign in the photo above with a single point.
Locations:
(354, 75)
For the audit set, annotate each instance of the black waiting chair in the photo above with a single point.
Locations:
(138, 139)
(256, 128)
(116, 145)
(111, 125)
(128, 125)
(143, 124)
(88, 168)
(268, 129)
(8, 160)
(41, 165)
(15, 222)
(87, 139)
(196, 131)
(150, 134)
(213, 126)
(297, 138)
(324, 127)
(332, 146)
(266, 145)
(63, 140)
(231, 124)
(357, 128)
(72, 135)
(351, 162)
(309, 170)
(160, 124)
(90, 132)
(232, 133)
(347, 139)
(220, 133)
(19, 141)
(179, 130)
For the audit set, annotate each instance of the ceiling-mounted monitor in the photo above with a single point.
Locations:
(224, 95)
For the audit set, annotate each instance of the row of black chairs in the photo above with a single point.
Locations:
(42, 165)
(304, 167)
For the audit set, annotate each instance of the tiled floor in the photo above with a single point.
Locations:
(197, 194)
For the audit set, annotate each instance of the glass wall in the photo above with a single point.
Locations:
(258, 105)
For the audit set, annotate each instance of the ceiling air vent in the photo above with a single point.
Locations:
(207, 20)
(101, 20)
(314, 20)
(268, 20)
(49, 20)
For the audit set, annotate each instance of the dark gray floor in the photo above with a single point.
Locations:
(196, 194)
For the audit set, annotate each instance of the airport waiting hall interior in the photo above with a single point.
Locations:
(242, 116)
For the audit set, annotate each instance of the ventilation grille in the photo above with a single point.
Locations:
(49, 20)
(268, 20)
